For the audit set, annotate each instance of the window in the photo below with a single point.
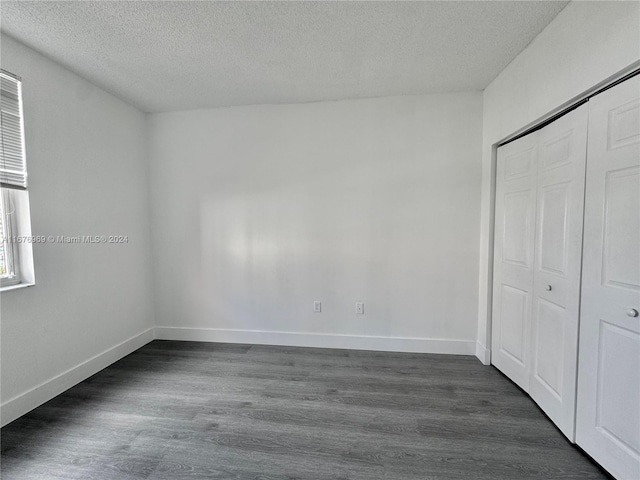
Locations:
(8, 267)
(16, 258)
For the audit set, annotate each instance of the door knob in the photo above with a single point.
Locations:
(549, 288)
(632, 312)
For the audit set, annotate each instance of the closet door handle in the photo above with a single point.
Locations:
(548, 288)
(632, 312)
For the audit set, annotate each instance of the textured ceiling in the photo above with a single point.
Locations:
(174, 55)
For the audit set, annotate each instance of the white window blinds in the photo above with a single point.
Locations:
(13, 168)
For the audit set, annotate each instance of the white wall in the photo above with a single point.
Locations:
(261, 210)
(584, 45)
(86, 156)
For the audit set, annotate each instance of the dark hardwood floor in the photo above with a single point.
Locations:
(217, 411)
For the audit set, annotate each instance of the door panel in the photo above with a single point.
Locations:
(617, 345)
(518, 162)
(623, 125)
(608, 413)
(513, 257)
(513, 312)
(549, 368)
(557, 269)
(554, 202)
(621, 254)
(516, 228)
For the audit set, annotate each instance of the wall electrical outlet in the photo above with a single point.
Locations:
(360, 308)
(317, 306)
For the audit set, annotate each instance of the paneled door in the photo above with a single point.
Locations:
(608, 406)
(562, 154)
(516, 181)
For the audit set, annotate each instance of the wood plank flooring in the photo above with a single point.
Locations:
(175, 410)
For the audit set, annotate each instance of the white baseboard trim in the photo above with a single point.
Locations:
(483, 354)
(319, 340)
(27, 401)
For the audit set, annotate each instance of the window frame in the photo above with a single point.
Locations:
(16, 216)
(9, 228)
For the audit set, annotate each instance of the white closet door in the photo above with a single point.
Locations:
(608, 407)
(516, 179)
(562, 154)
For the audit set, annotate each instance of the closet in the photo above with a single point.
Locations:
(566, 290)
(538, 243)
